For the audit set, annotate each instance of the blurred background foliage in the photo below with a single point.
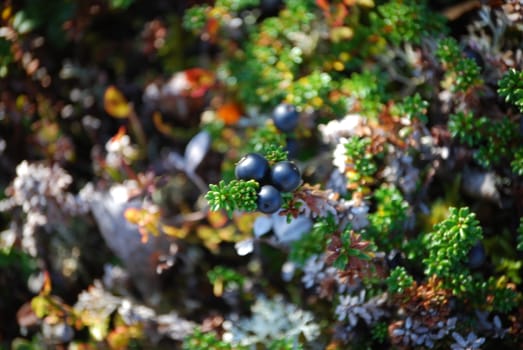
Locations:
(118, 116)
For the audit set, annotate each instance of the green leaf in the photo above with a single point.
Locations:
(511, 87)
(341, 262)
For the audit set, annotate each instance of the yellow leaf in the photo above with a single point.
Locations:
(40, 306)
(99, 330)
(218, 287)
(338, 34)
(133, 215)
(210, 238)
(367, 3)
(6, 13)
(227, 234)
(174, 231)
(245, 221)
(115, 103)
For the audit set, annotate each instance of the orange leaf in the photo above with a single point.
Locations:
(229, 113)
(115, 104)
(46, 287)
(323, 4)
(118, 339)
(212, 28)
(217, 219)
(162, 126)
(341, 13)
(121, 133)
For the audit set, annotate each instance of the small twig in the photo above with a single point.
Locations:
(454, 12)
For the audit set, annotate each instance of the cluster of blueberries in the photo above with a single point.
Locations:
(283, 176)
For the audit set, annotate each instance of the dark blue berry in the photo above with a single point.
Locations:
(269, 199)
(285, 117)
(476, 256)
(285, 176)
(253, 166)
(293, 148)
(270, 7)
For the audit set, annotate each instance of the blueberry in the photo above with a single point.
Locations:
(252, 166)
(476, 256)
(269, 199)
(285, 176)
(293, 148)
(285, 117)
(270, 7)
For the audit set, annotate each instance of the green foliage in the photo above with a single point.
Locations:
(406, 21)
(388, 221)
(308, 5)
(284, 344)
(501, 298)
(267, 141)
(195, 18)
(461, 73)
(235, 195)
(6, 57)
(448, 246)
(356, 150)
(225, 276)
(511, 87)
(274, 153)
(48, 16)
(366, 91)
(351, 247)
(199, 340)
(10, 258)
(314, 242)
(24, 344)
(380, 332)
(236, 5)
(492, 138)
(311, 90)
(510, 268)
(270, 62)
(517, 163)
(497, 145)
(520, 235)
(120, 4)
(467, 74)
(448, 51)
(467, 128)
(399, 280)
(329, 58)
(413, 107)
(283, 57)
